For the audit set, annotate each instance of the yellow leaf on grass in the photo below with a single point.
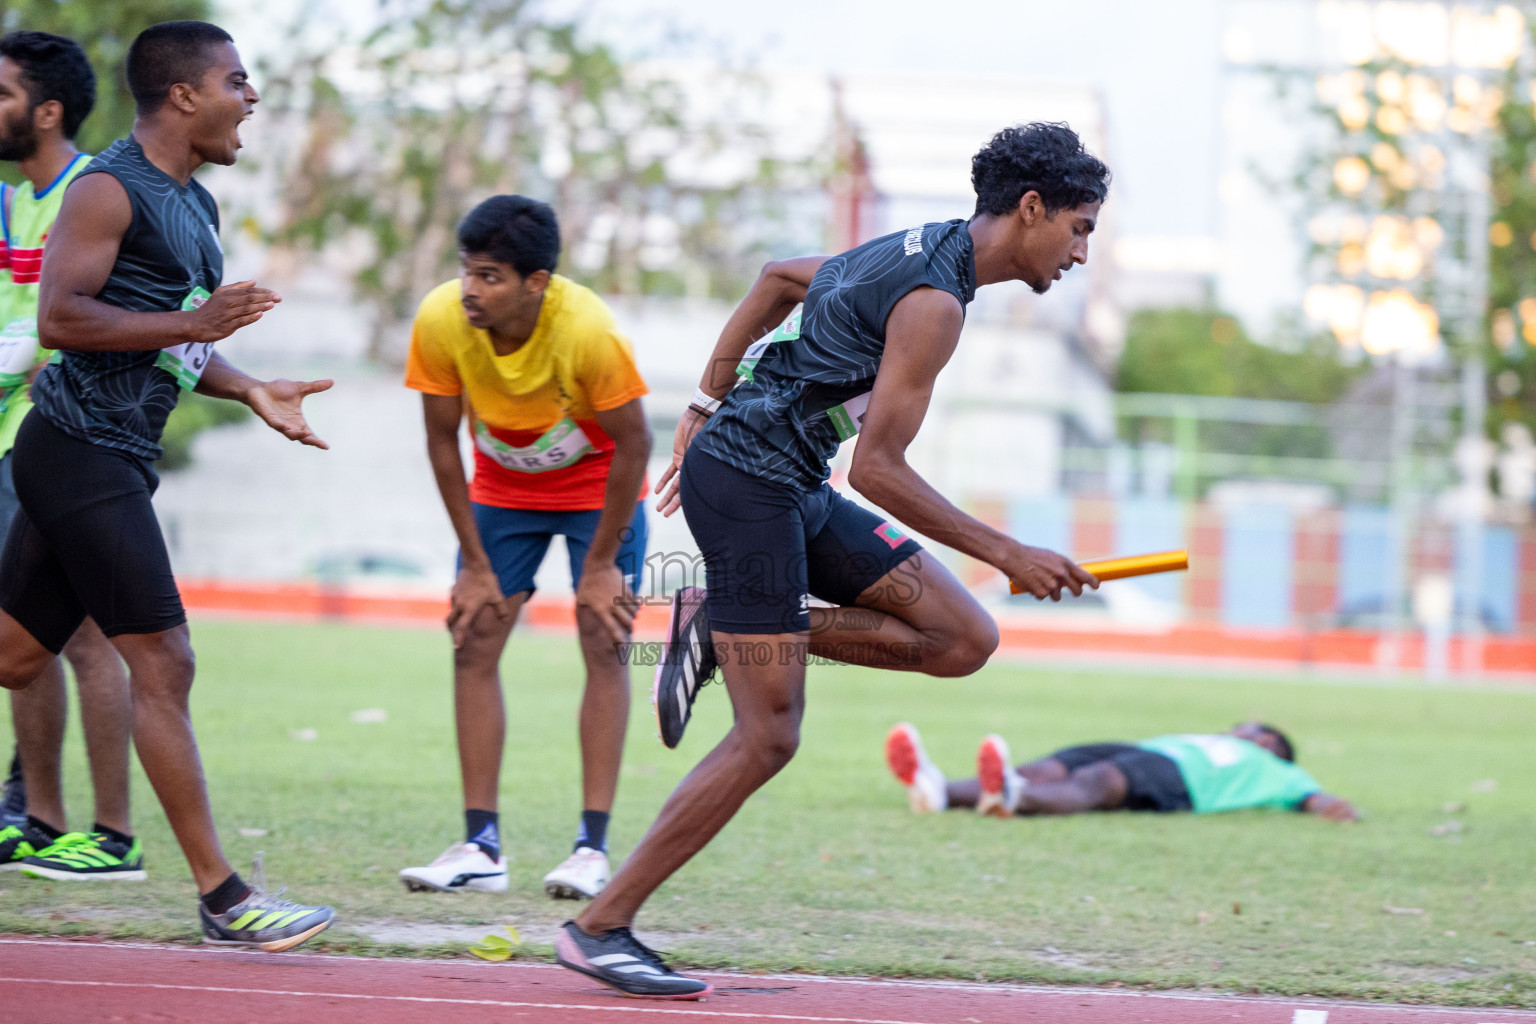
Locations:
(496, 948)
(494, 955)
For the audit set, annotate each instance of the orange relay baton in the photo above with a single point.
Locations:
(1134, 565)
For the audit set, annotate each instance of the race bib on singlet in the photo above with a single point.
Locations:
(18, 355)
(18, 351)
(789, 330)
(562, 445)
(187, 362)
(848, 418)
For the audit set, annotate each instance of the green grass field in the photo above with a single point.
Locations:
(826, 870)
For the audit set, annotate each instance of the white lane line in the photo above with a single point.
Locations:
(1310, 1017)
(730, 978)
(566, 1007)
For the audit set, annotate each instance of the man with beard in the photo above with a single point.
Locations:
(750, 467)
(131, 294)
(47, 90)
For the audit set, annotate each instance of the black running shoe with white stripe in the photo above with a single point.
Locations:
(687, 663)
(619, 960)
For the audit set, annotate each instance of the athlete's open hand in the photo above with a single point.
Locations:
(231, 307)
(603, 593)
(473, 589)
(278, 403)
(690, 424)
(1044, 573)
(1331, 808)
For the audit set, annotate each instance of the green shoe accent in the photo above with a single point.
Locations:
(80, 855)
(245, 920)
(264, 920)
(16, 844)
(270, 920)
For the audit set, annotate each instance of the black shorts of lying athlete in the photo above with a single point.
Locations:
(769, 547)
(1152, 780)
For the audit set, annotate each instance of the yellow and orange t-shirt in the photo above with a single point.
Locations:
(537, 442)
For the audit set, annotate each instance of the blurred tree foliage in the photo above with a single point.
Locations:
(104, 28)
(1512, 259)
(448, 102)
(192, 415)
(1206, 352)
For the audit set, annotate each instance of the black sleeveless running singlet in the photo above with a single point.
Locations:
(170, 259)
(806, 386)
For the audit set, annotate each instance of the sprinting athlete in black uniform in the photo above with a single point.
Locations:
(750, 467)
(131, 294)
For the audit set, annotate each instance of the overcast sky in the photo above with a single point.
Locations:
(1155, 64)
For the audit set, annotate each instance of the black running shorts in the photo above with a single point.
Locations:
(768, 547)
(1153, 782)
(86, 541)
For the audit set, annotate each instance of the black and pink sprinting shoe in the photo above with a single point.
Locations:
(619, 960)
(687, 662)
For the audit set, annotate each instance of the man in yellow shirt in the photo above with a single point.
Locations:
(552, 396)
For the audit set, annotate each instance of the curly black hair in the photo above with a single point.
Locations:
(1043, 156)
(53, 68)
(520, 232)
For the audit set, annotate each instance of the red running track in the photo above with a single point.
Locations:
(58, 980)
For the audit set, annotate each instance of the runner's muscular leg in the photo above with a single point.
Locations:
(106, 715)
(479, 713)
(769, 702)
(160, 670)
(604, 713)
(38, 714)
(916, 618)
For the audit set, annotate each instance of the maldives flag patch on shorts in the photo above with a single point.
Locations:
(891, 534)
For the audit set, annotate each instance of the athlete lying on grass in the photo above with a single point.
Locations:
(1253, 765)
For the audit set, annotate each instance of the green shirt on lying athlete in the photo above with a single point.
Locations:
(1224, 773)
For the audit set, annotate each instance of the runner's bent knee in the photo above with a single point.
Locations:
(773, 742)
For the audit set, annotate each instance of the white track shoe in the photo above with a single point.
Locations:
(463, 867)
(582, 876)
(905, 756)
(1001, 786)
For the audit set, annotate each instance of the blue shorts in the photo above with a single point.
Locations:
(517, 538)
(769, 547)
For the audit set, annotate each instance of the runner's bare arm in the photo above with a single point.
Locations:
(279, 403)
(475, 586)
(778, 289)
(78, 259)
(1333, 808)
(602, 588)
(920, 336)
